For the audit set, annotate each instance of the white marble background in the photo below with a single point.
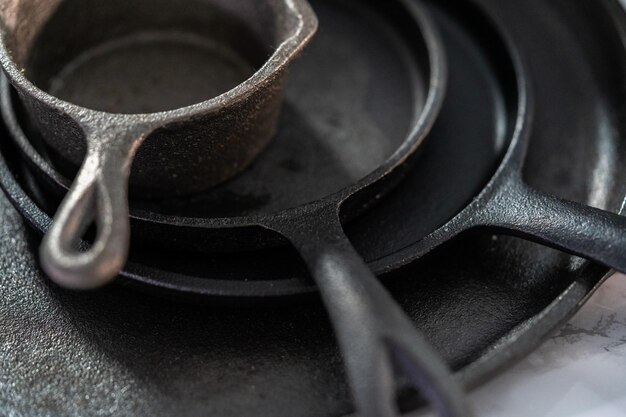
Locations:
(580, 372)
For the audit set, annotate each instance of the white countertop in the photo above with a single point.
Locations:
(580, 372)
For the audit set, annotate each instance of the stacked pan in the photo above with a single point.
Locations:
(427, 143)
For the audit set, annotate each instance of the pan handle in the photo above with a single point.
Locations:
(98, 196)
(575, 228)
(375, 336)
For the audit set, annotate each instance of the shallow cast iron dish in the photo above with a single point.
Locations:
(454, 281)
(99, 85)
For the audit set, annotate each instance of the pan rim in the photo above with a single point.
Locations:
(281, 56)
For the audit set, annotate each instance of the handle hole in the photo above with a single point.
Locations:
(89, 235)
(408, 398)
(85, 230)
(85, 238)
(414, 387)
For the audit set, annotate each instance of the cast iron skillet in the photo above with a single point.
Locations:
(508, 205)
(373, 332)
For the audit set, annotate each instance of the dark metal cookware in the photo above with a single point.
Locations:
(383, 88)
(100, 84)
(375, 335)
(521, 276)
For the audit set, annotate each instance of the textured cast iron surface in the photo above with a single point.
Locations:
(385, 340)
(466, 296)
(186, 146)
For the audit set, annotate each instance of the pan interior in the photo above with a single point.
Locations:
(467, 143)
(146, 56)
(350, 102)
(150, 72)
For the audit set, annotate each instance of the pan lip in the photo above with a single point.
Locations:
(300, 36)
(521, 340)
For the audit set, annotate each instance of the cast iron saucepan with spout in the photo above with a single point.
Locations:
(375, 335)
(199, 82)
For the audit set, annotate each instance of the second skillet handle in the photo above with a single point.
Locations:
(375, 336)
(98, 196)
(575, 228)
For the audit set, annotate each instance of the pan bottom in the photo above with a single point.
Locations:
(148, 55)
(150, 72)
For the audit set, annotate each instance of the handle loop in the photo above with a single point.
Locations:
(99, 195)
(376, 338)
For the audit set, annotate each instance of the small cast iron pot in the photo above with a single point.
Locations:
(199, 82)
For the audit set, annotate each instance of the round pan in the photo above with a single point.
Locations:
(342, 119)
(375, 335)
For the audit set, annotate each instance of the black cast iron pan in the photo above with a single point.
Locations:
(374, 333)
(482, 288)
(508, 205)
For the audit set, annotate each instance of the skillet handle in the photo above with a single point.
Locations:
(99, 195)
(376, 337)
(575, 228)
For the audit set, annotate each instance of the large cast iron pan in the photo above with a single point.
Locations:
(469, 294)
(375, 335)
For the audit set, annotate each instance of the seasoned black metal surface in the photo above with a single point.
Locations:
(127, 353)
